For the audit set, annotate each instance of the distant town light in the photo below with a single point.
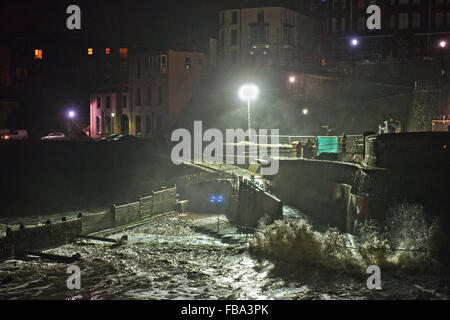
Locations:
(71, 114)
(292, 79)
(443, 44)
(90, 51)
(123, 52)
(113, 114)
(107, 51)
(305, 111)
(355, 42)
(38, 54)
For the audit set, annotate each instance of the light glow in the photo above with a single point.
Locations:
(443, 44)
(248, 91)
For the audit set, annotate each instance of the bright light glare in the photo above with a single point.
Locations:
(291, 79)
(354, 42)
(248, 91)
(71, 114)
(305, 111)
(443, 44)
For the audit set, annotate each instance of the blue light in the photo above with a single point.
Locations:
(216, 198)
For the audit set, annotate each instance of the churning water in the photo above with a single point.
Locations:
(166, 259)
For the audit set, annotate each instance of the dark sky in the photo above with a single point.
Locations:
(128, 19)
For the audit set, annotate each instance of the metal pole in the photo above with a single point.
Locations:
(249, 127)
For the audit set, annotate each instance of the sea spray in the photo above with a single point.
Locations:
(406, 228)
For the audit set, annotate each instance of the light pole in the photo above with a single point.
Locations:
(292, 80)
(247, 92)
(442, 45)
(71, 115)
(354, 43)
(112, 120)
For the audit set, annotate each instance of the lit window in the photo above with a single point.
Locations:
(38, 54)
(90, 51)
(107, 51)
(187, 64)
(123, 52)
(163, 61)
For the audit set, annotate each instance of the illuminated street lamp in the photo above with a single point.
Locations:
(71, 115)
(247, 92)
(354, 43)
(305, 111)
(113, 115)
(442, 46)
(292, 79)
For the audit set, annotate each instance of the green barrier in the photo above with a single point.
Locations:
(327, 144)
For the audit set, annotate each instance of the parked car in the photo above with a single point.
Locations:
(54, 136)
(16, 135)
(107, 138)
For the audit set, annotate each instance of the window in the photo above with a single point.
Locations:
(361, 23)
(187, 63)
(260, 17)
(138, 69)
(107, 51)
(138, 96)
(234, 37)
(159, 123)
(38, 54)
(259, 34)
(98, 124)
(108, 102)
(99, 102)
(416, 20)
(403, 22)
(123, 53)
(138, 125)
(343, 26)
(393, 18)
(163, 61)
(124, 101)
(148, 124)
(124, 67)
(149, 97)
(160, 97)
(233, 57)
(107, 124)
(234, 17)
(90, 51)
(438, 17)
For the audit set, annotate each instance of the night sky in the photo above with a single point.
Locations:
(165, 22)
